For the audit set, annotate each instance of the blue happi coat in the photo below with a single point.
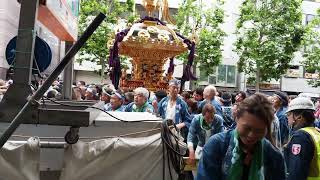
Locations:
(215, 104)
(197, 135)
(215, 162)
(283, 121)
(182, 113)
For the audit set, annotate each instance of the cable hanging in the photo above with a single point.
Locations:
(93, 107)
(171, 148)
(170, 142)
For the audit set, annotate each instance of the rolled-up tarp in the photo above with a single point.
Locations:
(20, 161)
(138, 158)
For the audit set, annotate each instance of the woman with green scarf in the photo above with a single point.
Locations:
(246, 153)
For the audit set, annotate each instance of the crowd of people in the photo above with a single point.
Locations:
(234, 136)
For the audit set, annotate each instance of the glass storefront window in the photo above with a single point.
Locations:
(231, 75)
(222, 69)
(309, 18)
(203, 76)
(224, 75)
(212, 79)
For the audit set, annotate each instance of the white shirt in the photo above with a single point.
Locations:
(208, 134)
(171, 111)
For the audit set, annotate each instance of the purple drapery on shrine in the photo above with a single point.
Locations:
(114, 59)
(187, 73)
(171, 66)
(147, 18)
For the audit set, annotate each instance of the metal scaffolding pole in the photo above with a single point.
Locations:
(68, 76)
(45, 144)
(18, 119)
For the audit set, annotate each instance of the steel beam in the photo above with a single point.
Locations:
(33, 100)
(68, 76)
(16, 95)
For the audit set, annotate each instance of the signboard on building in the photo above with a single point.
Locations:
(61, 18)
(269, 86)
(311, 75)
(297, 85)
(294, 73)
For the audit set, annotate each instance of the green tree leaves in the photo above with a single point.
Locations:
(96, 50)
(268, 34)
(194, 18)
(311, 42)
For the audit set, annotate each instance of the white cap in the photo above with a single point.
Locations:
(301, 103)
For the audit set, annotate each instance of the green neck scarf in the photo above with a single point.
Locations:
(238, 156)
(204, 125)
(139, 109)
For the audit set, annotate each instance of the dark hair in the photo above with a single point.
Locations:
(129, 97)
(233, 98)
(99, 89)
(199, 91)
(186, 95)
(82, 83)
(52, 94)
(226, 99)
(307, 116)
(283, 97)
(192, 104)
(160, 94)
(259, 106)
(208, 107)
(243, 94)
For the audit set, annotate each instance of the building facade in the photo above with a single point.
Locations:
(56, 24)
(225, 76)
(296, 79)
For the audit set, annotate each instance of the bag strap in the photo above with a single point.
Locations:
(226, 142)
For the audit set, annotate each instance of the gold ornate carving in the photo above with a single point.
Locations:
(150, 45)
(153, 29)
(143, 35)
(163, 37)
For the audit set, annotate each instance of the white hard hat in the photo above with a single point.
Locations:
(301, 103)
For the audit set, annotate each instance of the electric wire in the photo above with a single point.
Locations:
(93, 107)
(170, 141)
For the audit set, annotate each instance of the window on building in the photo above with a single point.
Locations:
(223, 75)
(231, 75)
(212, 79)
(222, 70)
(309, 18)
(203, 76)
(293, 72)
